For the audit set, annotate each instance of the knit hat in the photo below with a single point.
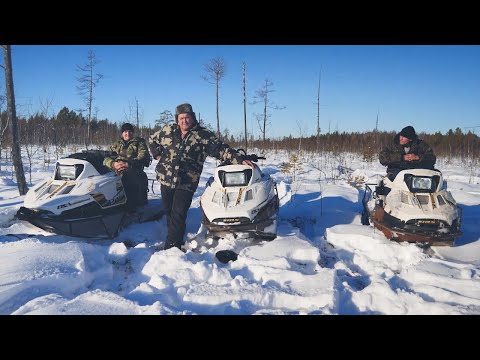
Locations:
(126, 127)
(408, 132)
(184, 109)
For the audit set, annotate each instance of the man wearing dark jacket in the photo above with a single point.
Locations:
(131, 157)
(181, 150)
(407, 151)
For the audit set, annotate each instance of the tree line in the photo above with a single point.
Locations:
(453, 144)
(68, 128)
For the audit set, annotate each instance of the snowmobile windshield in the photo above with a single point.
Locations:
(422, 183)
(237, 178)
(68, 172)
(428, 184)
(94, 157)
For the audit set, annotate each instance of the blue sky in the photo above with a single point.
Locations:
(434, 88)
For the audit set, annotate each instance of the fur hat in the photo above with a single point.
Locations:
(127, 126)
(408, 132)
(184, 109)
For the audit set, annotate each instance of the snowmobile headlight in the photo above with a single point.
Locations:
(66, 172)
(422, 183)
(235, 179)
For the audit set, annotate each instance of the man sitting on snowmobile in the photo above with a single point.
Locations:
(181, 150)
(132, 156)
(406, 151)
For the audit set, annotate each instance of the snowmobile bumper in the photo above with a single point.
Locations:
(262, 226)
(255, 229)
(413, 232)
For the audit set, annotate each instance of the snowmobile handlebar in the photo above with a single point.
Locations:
(253, 157)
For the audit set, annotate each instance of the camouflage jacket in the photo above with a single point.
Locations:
(392, 155)
(181, 160)
(134, 151)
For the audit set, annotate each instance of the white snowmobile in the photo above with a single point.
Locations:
(415, 207)
(83, 198)
(240, 200)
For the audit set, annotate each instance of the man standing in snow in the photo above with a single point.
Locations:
(407, 151)
(132, 156)
(181, 150)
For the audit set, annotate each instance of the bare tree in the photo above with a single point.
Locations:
(135, 114)
(301, 130)
(87, 82)
(318, 111)
(245, 105)
(262, 96)
(30, 148)
(46, 112)
(3, 124)
(12, 117)
(128, 117)
(166, 117)
(215, 72)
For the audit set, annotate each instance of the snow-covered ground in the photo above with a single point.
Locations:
(322, 262)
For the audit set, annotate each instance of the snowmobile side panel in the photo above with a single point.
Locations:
(105, 226)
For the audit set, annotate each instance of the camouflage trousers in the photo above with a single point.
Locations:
(135, 184)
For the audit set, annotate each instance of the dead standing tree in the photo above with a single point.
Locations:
(318, 112)
(3, 125)
(244, 68)
(215, 72)
(262, 96)
(87, 82)
(135, 112)
(12, 119)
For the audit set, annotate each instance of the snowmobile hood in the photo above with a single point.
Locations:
(59, 195)
(239, 198)
(76, 192)
(401, 181)
(237, 191)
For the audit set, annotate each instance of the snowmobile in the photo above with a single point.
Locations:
(83, 198)
(240, 200)
(415, 207)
